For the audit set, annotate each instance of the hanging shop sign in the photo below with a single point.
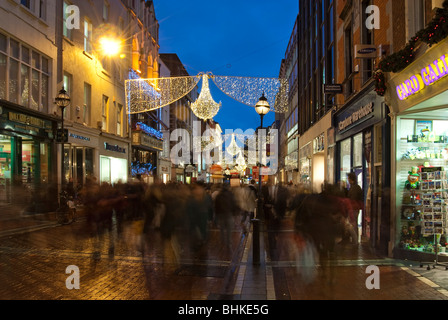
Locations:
(428, 76)
(365, 51)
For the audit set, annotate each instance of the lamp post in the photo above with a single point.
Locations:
(262, 107)
(62, 101)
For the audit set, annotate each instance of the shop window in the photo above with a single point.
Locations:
(346, 158)
(357, 151)
(422, 183)
(5, 168)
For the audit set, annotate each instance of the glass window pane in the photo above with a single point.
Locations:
(3, 42)
(15, 49)
(13, 80)
(36, 60)
(89, 162)
(35, 90)
(45, 65)
(346, 157)
(26, 55)
(2, 76)
(44, 93)
(24, 85)
(357, 150)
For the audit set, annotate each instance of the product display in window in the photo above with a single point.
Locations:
(422, 185)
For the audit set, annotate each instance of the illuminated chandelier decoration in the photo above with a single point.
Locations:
(233, 148)
(144, 95)
(149, 94)
(205, 107)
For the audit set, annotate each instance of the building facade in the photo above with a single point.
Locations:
(28, 82)
(181, 117)
(416, 92)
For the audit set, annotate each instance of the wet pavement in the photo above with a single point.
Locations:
(129, 265)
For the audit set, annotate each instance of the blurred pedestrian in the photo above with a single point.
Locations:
(199, 211)
(250, 196)
(356, 197)
(225, 209)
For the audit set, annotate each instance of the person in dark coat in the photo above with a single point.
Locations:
(225, 209)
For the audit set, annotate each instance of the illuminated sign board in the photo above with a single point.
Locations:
(428, 76)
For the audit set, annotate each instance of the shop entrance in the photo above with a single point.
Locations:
(5, 169)
(78, 164)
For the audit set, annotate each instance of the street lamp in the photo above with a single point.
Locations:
(62, 101)
(262, 107)
(110, 46)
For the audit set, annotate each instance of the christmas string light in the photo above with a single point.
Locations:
(205, 107)
(149, 94)
(248, 90)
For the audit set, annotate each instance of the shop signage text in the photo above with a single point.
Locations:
(28, 120)
(114, 148)
(356, 116)
(428, 76)
(72, 135)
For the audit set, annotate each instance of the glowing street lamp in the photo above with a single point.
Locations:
(262, 107)
(110, 46)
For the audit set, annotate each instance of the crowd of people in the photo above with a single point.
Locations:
(193, 208)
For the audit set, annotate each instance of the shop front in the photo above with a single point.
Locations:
(361, 128)
(27, 158)
(80, 154)
(113, 159)
(314, 165)
(419, 98)
(145, 156)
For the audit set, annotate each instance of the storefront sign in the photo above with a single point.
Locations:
(140, 138)
(114, 148)
(428, 76)
(28, 120)
(76, 136)
(357, 115)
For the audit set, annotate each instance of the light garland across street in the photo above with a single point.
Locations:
(149, 94)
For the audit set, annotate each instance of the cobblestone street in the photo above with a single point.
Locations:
(33, 267)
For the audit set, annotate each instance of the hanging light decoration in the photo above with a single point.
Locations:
(248, 90)
(205, 107)
(233, 148)
(149, 94)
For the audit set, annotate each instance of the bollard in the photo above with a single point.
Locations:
(256, 241)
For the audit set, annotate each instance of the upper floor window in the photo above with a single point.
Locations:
(88, 30)
(24, 75)
(106, 8)
(26, 3)
(66, 31)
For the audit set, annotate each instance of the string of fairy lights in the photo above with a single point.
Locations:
(144, 95)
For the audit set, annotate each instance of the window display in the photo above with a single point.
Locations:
(422, 185)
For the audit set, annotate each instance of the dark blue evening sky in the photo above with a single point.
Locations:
(246, 38)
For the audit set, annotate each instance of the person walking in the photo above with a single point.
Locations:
(225, 209)
(356, 198)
